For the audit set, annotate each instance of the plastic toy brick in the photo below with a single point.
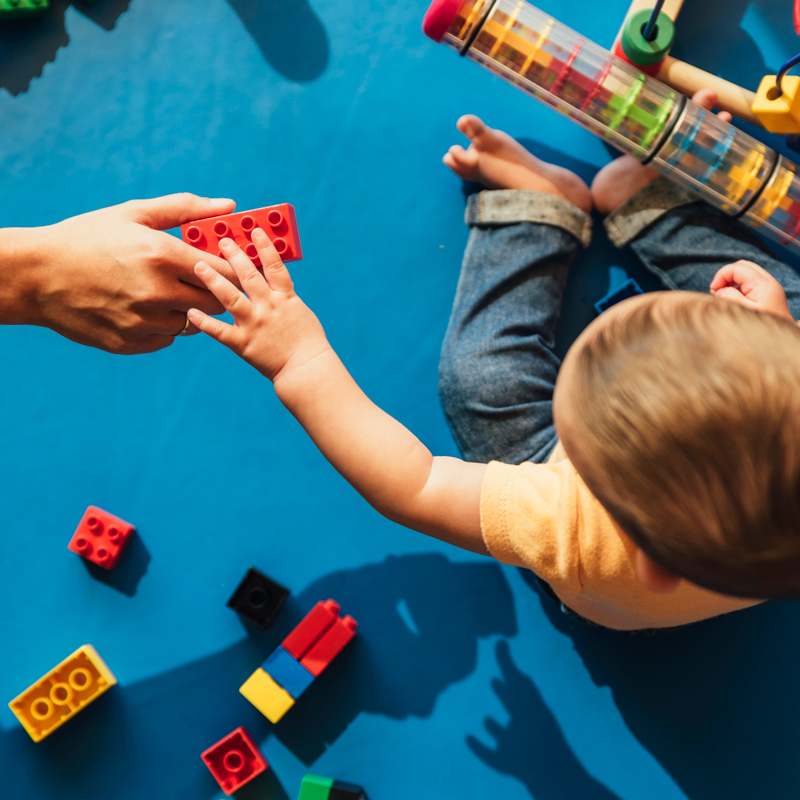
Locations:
(278, 222)
(628, 289)
(258, 599)
(778, 114)
(288, 673)
(62, 693)
(17, 9)
(234, 760)
(101, 537)
(329, 645)
(272, 701)
(311, 628)
(315, 787)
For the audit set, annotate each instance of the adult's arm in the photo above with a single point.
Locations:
(112, 278)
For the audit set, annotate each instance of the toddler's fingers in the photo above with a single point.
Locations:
(275, 272)
(741, 273)
(215, 328)
(249, 277)
(230, 297)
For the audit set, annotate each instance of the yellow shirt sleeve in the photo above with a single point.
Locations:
(544, 518)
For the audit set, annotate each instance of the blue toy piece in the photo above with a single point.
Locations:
(287, 672)
(628, 289)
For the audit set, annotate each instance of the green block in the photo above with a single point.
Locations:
(17, 9)
(315, 788)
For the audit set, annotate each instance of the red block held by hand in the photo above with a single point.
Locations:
(101, 537)
(278, 222)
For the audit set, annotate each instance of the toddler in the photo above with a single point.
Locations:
(653, 478)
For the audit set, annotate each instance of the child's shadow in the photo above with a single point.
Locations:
(26, 45)
(715, 702)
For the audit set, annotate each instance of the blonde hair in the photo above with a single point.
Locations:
(689, 412)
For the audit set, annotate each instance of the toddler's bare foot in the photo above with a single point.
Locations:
(618, 181)
(497, 161)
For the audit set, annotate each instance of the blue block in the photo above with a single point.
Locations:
(628, 289)
(288, 672)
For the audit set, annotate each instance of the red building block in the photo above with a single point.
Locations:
(234, 760)
(311, 628)
(278, 222)
(330, 645)
(101, 537)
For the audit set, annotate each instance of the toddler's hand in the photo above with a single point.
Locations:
(751, 286)
(274, 329)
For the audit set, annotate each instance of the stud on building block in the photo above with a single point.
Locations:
(19, 9)
(101, 537)
(778, 114)
(329, 645)
(628, 289)
(287, 672)
(278, 222)
(62, 693)
(315, 787)
(269, 698)
(234, 760)
(258, 599)
(311, 628)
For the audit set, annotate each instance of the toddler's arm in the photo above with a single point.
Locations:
(280, 336)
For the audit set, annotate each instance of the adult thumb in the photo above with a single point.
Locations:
(172, 210)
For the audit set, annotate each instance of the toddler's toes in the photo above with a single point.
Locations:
(462, 162)
(474, 128)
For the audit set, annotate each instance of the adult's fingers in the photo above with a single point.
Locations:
(230, 297)
(172, 210)
(250, 279)
(275, 271)
(182, 258)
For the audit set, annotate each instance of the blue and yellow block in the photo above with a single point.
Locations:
(276, 684)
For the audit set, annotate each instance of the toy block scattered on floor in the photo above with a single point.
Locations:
(628, 289)
(19, 9)
(303, 655)
(315, 787)
(62, 693)
(278, 222)
(101, 537)
(258, 598)
(234, 760)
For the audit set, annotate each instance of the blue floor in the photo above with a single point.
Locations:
(463, 682)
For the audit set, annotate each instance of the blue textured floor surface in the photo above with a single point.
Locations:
(463, 682)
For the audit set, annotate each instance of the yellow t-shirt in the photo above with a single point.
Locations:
(542, 516)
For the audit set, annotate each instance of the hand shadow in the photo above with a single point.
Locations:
(532, 747)
(26, 45)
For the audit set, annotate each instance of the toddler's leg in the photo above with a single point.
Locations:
(498, 366)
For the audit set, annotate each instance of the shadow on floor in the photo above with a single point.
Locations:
(420, 619)
(126, 575)
(26, 45)
(715, 703)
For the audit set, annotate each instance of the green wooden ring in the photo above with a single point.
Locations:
(637, 48)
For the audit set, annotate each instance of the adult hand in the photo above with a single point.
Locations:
(751, 286)
(112, 278)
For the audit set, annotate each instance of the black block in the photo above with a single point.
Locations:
(258, 599)
(346, 791)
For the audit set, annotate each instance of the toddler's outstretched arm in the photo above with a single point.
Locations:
(280, 336)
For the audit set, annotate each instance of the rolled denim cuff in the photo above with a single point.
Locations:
(509, 206)
(644, 208)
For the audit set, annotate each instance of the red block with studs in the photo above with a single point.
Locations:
(101, 537)
(278, 222)
(329, 645)
(234, 760)
(311, 628)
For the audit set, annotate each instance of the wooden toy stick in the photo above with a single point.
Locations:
(671, 8)
(688, 79)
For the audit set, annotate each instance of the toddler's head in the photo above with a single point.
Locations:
(681, 412)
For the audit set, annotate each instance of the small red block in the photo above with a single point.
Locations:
(278, 222)
(101, 537)
(311, 628)
(234, 760)
(330, 645)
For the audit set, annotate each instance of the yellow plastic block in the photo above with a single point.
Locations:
(778, 114)
(272, 701)
(62, 693)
